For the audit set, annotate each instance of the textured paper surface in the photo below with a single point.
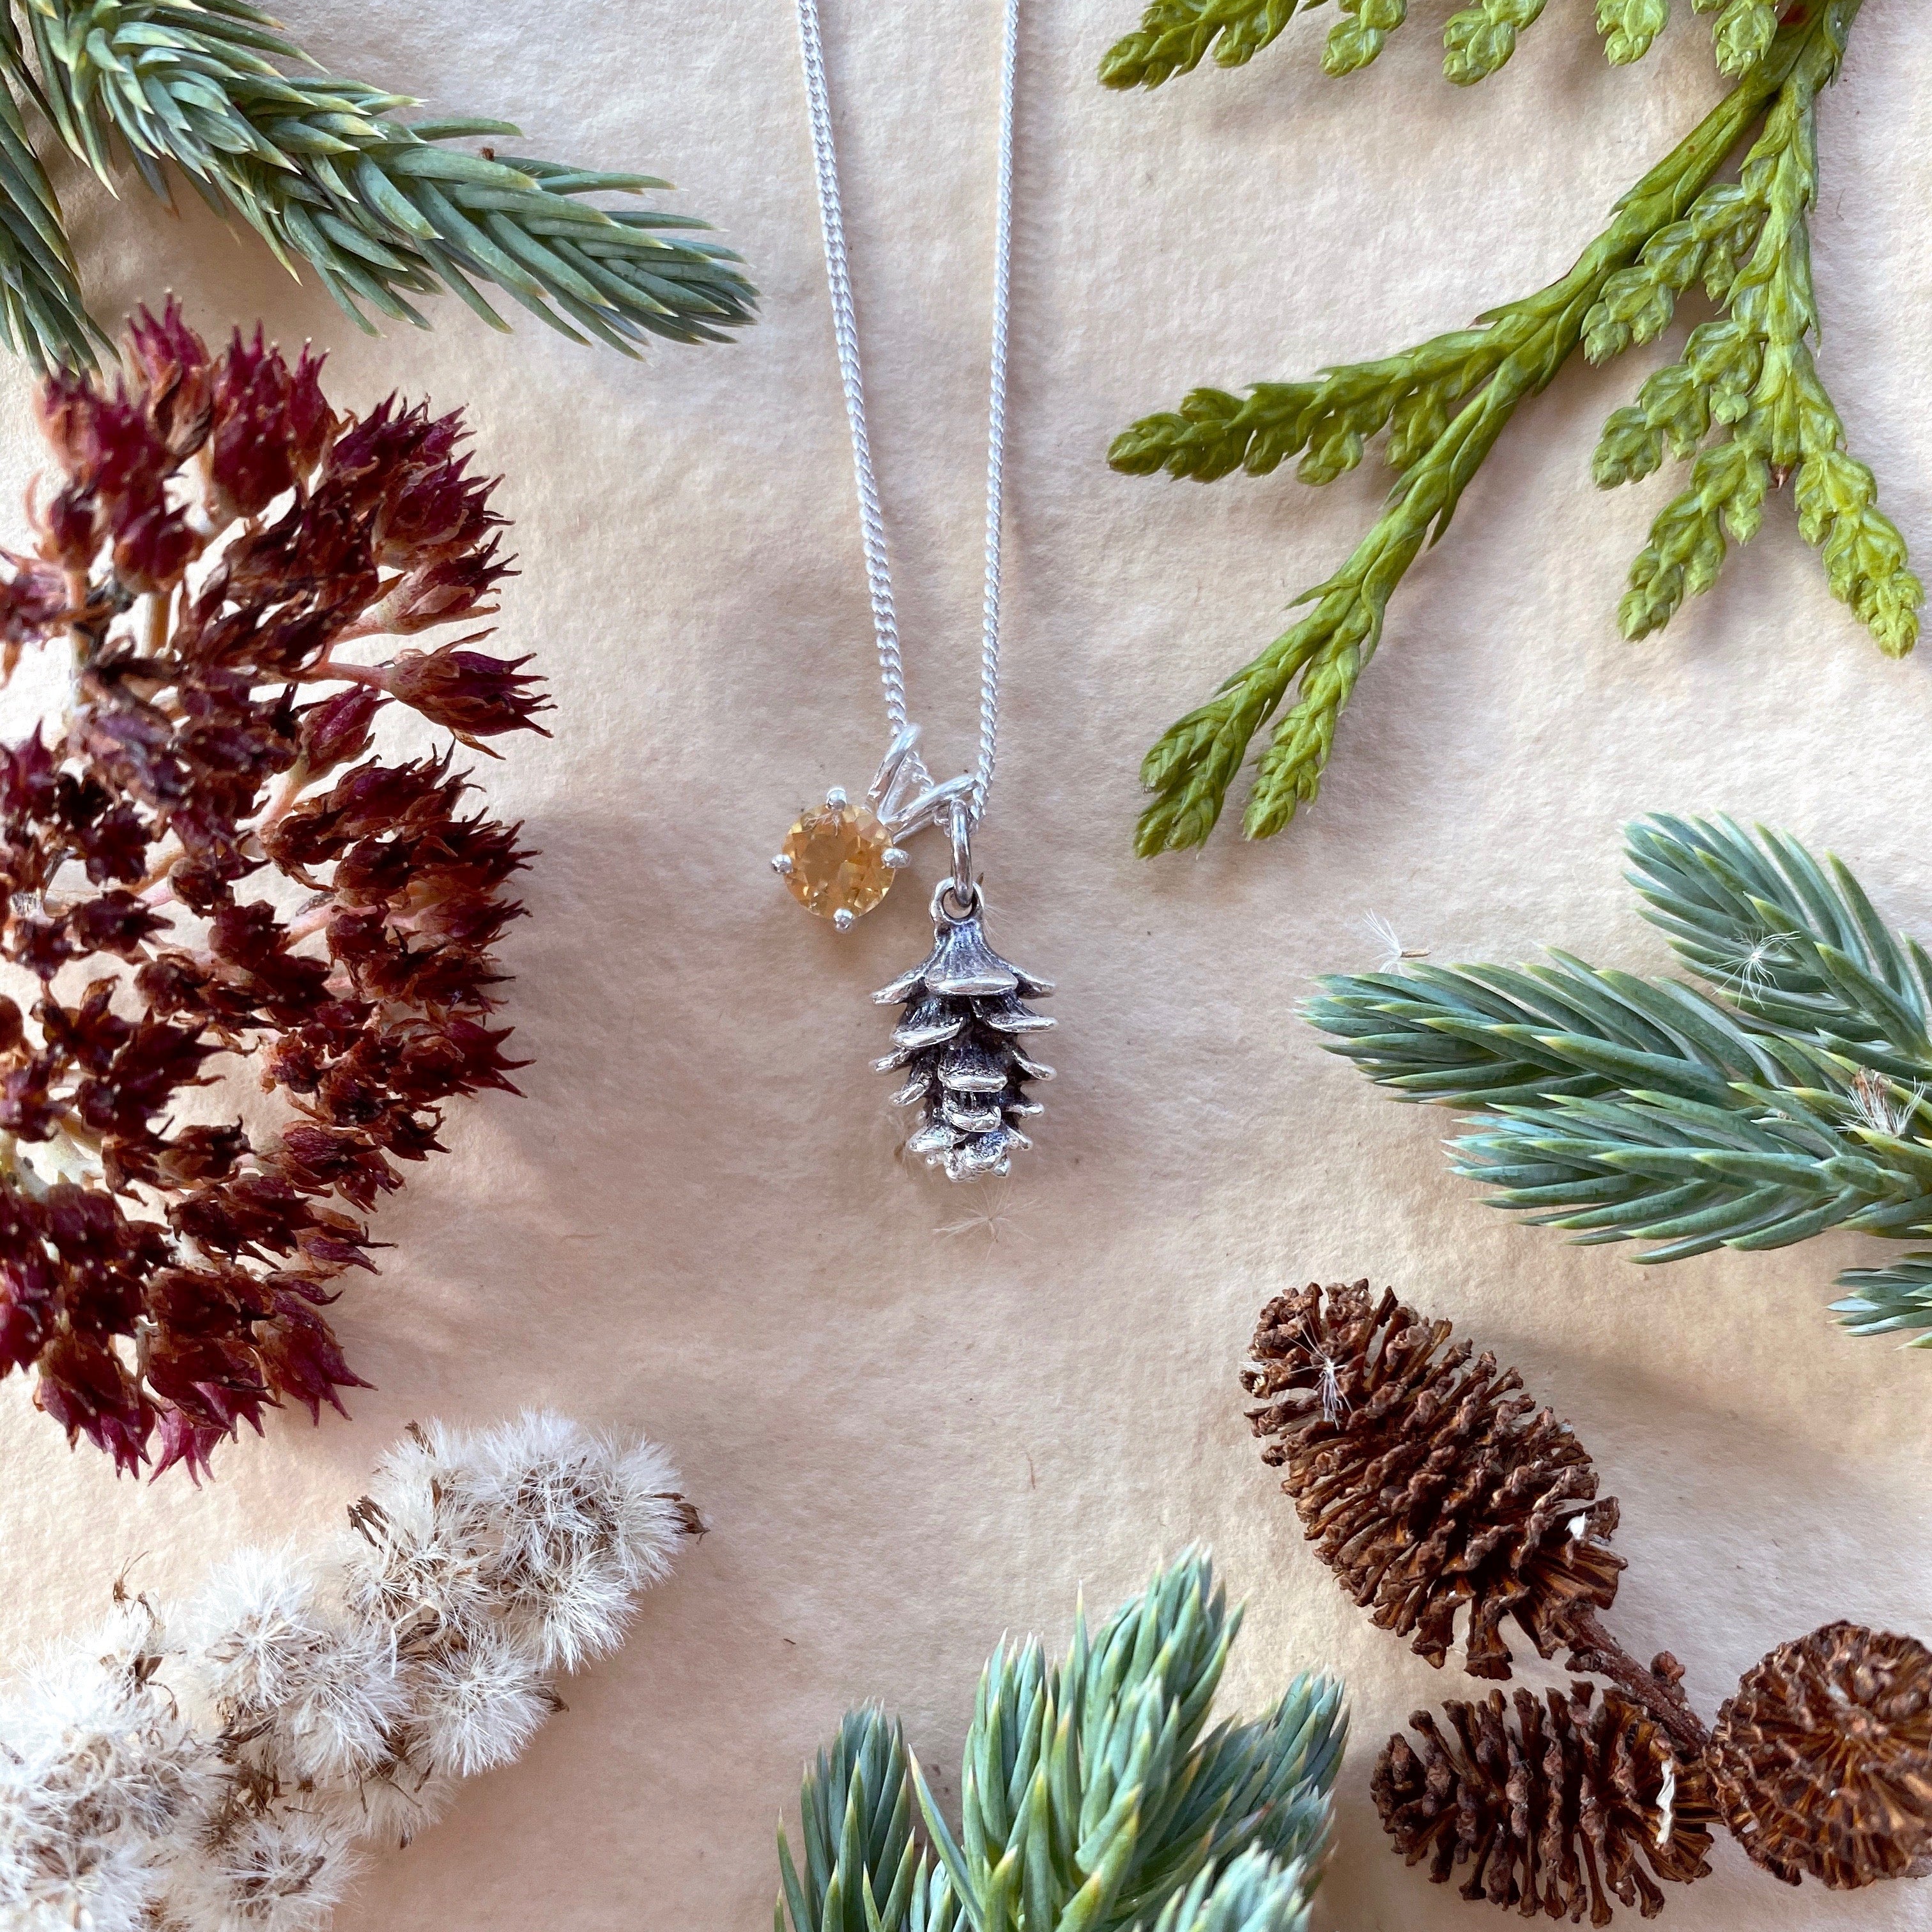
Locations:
(910, 1440)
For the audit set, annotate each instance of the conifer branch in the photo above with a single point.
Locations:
(1792, 1100)
(1748, 375)
(1093, 1797)
(1175, 36)
(324, 171)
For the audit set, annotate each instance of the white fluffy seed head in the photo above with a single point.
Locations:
(97, 1769)
(252, 1629)
(540, 1531)
(477, 1707)
(320, 1690)
(283, 1870)
(216, 1784)
(102, 1887)
(420, 1554)
(395, 1806)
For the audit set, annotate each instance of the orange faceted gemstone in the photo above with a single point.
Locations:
(837, 855)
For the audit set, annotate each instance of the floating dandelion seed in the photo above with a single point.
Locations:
(993, 1218)
(1666, 1803)
(1881, 1104)
(1335, 1405)
(1751, 976)
(1393, 953)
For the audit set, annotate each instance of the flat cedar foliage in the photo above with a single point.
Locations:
(1744, 403)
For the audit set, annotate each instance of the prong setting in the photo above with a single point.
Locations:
(844, 919)
(835, 799)
(895, 858)
(781, 864)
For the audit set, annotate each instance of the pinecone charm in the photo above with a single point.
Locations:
(959, 1043)
(1558, 1812)
(1823, 1758)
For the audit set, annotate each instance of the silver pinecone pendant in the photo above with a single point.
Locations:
(960, 1044)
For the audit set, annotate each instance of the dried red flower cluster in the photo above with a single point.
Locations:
(220, 534)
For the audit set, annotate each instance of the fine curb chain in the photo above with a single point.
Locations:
(845, 335)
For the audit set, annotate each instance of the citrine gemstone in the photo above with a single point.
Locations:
(837, 855)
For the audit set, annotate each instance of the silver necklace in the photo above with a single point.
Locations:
(959, 1041)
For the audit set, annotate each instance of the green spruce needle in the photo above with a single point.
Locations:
(1794, 1097)
(323, 169)
(1745, 404)
(1095, 1795)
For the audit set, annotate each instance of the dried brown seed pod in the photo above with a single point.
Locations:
(1427, 1481)
(1573, 1803)
(1823, 1758)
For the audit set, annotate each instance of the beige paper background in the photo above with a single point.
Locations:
(910, 1440)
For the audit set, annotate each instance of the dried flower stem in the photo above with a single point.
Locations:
(1597, 1653)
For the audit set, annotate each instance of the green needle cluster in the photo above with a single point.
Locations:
(321, 168)
(1745, 404)
(1790, 1100)
(1094, 1796)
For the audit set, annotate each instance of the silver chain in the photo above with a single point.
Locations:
(845, 334)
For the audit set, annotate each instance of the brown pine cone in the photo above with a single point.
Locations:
(1823, 1759)
(1550, 1812)
(1425, 1481)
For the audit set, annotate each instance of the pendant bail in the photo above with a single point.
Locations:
(959, 829)
(958, 897)
(897, 766)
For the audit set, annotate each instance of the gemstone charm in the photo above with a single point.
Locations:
(838, 859)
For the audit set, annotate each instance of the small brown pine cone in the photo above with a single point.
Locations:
(1425, 1481)
(1560, 1811)
(1823, 1759)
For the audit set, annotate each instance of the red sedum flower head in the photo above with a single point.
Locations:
(470, 695)
(176, 379)
(219, 538)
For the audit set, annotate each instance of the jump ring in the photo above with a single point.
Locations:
(959, 825)
(947, 896)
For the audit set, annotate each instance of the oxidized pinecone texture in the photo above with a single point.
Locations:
(1425, 1481)
(1823, 1758)
(1573, 1803)
(959, 1042)
(184, 880)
